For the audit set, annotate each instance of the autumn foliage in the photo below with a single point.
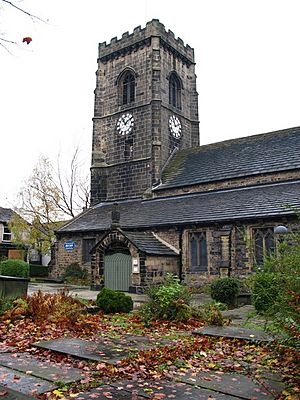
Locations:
(60, 308)
(46, 316)
(27, 40)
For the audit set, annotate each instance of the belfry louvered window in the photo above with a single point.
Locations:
(128, 88)
(263, 243)
(174, 91)
(198, 251)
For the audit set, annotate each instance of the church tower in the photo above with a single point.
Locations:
(146, 107)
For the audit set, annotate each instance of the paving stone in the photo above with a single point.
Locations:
(108, 392)
(234, 384)
(23, 383)
(84, 349)
(169, 389)
(42, 369)
(9, 394)
(234, 332)
(6, 349)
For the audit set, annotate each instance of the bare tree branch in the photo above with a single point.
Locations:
(50, 196)
(23, 11)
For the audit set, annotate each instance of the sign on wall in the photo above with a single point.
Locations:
(69, 245)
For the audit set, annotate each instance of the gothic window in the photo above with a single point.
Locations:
(127, 88)
(87, 245)
(198, 251)
(174, 91)
(264, 244)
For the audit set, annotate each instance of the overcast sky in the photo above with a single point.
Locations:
(248, 67)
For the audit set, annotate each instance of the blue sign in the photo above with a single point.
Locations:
(69, 245)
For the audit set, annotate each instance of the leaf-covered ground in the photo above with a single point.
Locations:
(182, 352)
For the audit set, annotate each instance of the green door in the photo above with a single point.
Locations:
(117, 271)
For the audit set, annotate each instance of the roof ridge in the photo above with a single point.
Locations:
(253, 136)
(225, 190)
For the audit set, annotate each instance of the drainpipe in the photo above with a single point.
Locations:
(180, 254)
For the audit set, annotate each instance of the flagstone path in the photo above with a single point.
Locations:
(29, 375)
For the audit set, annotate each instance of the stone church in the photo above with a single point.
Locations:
(160, 201)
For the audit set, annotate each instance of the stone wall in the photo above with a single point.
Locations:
(64, 257)
(158, 266)
(229, 251)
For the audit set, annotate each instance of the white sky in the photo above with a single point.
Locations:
(248, 68)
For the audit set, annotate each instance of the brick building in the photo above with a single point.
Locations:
(160, 202)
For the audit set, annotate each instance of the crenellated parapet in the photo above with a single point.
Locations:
(141, 37)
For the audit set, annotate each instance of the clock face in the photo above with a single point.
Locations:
(125, 124)
(175, 126)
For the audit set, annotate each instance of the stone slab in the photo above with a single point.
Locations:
(138, 342)
(234, 384)
(6, 349)
(108, 392)
(23, 383)
(9, 394)
(108, 350)
(47, 370)
(163, 389)
(234, 332)
(102, 352)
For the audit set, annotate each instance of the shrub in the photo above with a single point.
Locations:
(74, 273)
(12, 267)
(225, 290)
(169, 300)
(265, 291)
(38, 271)
(5, 304)
(111, 301)
(212, 314)
(276, 288)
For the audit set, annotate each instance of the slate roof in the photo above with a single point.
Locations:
(223, 205)
(149, 244)
(5, 214)
(253, 155)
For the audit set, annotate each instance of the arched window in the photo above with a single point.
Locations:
(174, 91)
(127, 88)
(198, 251)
